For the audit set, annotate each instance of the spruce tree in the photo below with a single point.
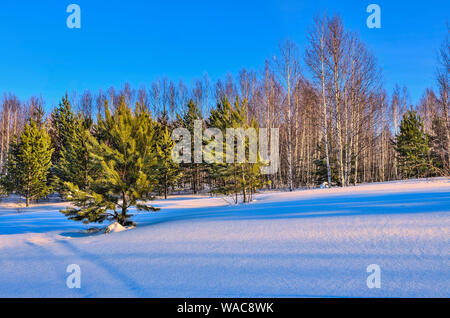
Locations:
(320, 170)
(123, 154)
(74, 164)
(438, 145)
(29, 161)
(3, 191)
(63, 133)
(412, 146)
(36, 112)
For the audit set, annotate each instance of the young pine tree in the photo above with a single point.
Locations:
(223, 174)
(237, 177)
(193, 170)
(123, 154)
(29, 161)
(412, 147)
(167, 171)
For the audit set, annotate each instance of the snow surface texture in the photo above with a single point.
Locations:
(310, 243)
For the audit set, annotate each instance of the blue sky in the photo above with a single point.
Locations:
(138, 41)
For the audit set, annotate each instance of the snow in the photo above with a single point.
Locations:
(115, 227)
(306, 243)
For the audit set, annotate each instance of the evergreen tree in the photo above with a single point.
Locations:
(237, 177)
(28, 164)
(74, 164)
(63, 134)
(255, 181)
(224, 174)
(167, 171)
(123, 155)
(412, 146)
(320, 170)
(438, 144)
(63, 125)
(193, 170)
(3, 191)
(36, 112)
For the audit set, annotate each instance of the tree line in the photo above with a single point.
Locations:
(110, 150)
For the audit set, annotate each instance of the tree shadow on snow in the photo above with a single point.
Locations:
(334, 206)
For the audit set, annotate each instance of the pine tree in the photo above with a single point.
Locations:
(412, 146)
(255, 181)
(28, 165)
(194, 169)
(237, 177)
(167, 171)
(123, 154)
(224, 174)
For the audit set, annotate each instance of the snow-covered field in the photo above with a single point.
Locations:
(311, 243)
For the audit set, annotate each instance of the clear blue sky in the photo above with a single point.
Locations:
(138, 41)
